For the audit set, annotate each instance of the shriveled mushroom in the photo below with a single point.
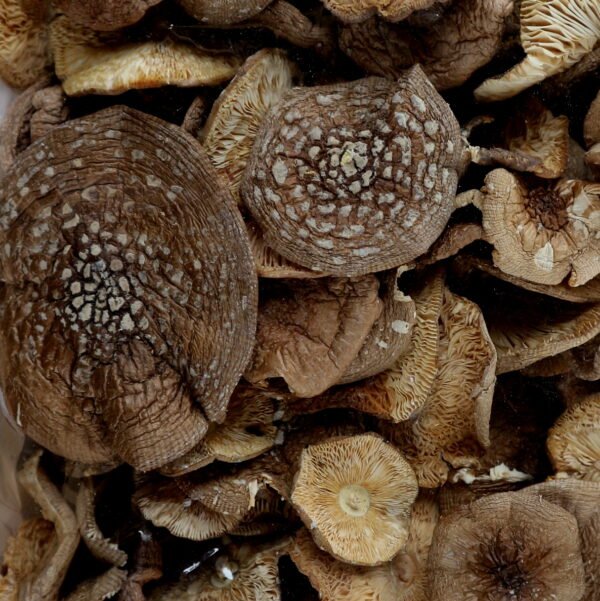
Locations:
(223, 13)
(454, 238)
(310, 331)
(24, 55)
(555, 34)
(543, 235)
(506, 546)
(574, 441)
(148, 309)
(147, 567)
(449, 50)
(105, 15)
(102, 587)
(591, 125)
(353, 11)
(87, 63)
(356, 177)
(355, 495)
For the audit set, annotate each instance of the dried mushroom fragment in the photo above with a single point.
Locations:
(555, 34)
(353, 11)
(591, 125)
(102, 587)
(543, 234)
(454, 238)
(126, 319)
(390, 336)
(356, 177)
(235, 118)
(310, 331)
(247, 432)
(104, 15)
(24, 54)
(506, 546)
(222, 13)
(574, 441)
(355, 495)
(147, 567)
(87, 63)
(449, 50)
(452, 428)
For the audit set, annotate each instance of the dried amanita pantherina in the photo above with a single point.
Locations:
(127, 318)
(355, 495)
(355, 177)
(506, 546)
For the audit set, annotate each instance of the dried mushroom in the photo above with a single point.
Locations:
(555, 34)
(147, 567)
(355, 495)
(223, 12)
(352, 11)
(591, 125)
(506, 546)
(102, 587)
(361, 197)
(148, 312)
(543, 234)
(310, 331)
(24, 56)
(87, 64)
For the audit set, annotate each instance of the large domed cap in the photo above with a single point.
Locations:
(88, 62)
(574, 440)
(353, 11)
(24, 55)
(555, 34)
(310, 331)
(235, 118)
(543, 234)
(104, 15)
(368, 195)
(221, 13)
(355, 495)
(506, 546)
(591, 125)
(128, 318)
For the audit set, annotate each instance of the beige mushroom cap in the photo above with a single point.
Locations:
(555, 34)
(353, 11)
(86, 64)
(355, 495)
(23, 46)
(591, 125)
(543, 235)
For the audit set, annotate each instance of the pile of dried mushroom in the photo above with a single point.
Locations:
(302, 299)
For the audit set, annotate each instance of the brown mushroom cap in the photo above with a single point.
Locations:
(363, 197)
(87, 63)
(543, 235)
(23, 46)
(222, 13)
(506, 546)
(104, 15)
(454, 238)
(149, 302)
(355, 494)
(555, 34)
(310, 331)
(591, 125)
(355, 11)
(99, 588)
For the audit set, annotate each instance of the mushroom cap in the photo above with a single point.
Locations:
(105, 15)
(355, 11)
(149, 304)
(555, 34)
(543, 235)
(24, 54)
(101, 587)
(506, 546)
(454, 238)
(363, 197)
(591, 125)
(310, 331)
(87, 64)
(355, 495)
(236, 115)
(222, 13)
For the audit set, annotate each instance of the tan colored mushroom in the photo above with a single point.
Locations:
(355, 494)
(144, 327)
(574, 440)
(506, 546)
(452, 428)
(355, 177)
(555, 34)
(355, 11)
(223, 13)
(87, 63)
(24, 56)
(543, 235)
(310, 331)
(591, 125)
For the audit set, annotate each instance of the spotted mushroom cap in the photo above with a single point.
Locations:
(506, 546)
(591, 125)
(87, 63)
(24, 53)
(363, 197)
(121, 310)
(543, 234)
(355, 495)
(555, 35)
(353, 11)
(222, 13)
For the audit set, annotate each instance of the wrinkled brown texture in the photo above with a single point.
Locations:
(353, 11)
(174, 317)
(591, 125)
(102, 587)
(223, 12)
(147, 567)
(104, 15)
